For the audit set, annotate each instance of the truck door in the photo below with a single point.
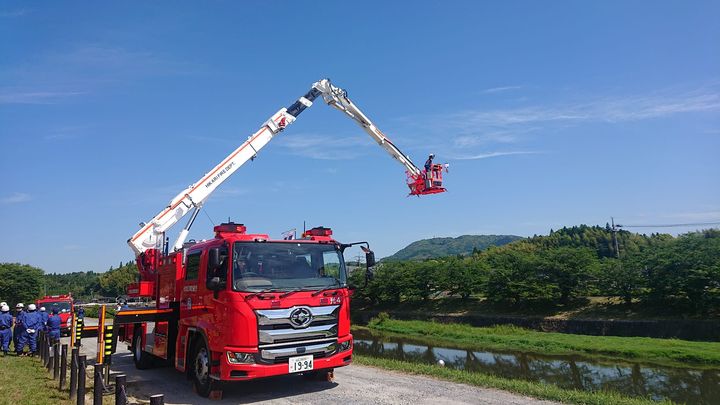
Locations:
(215, 302)
(189, 300)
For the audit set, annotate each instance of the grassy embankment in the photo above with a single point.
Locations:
(522, 387)
(668, 352)
(611, 308)
(23, 380)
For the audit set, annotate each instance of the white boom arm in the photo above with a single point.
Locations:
(337, 98)
(152, 234)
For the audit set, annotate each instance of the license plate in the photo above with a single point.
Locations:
(300, 363)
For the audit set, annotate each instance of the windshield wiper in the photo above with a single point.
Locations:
(261, 292)
(293, 291)
(322, 290)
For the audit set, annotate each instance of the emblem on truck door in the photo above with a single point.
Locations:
(300, 317)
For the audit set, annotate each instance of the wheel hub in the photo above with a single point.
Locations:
(202, 369)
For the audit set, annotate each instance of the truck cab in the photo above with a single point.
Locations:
(242, 306)
(65, 305)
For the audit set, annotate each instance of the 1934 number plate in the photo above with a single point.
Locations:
(300, 363)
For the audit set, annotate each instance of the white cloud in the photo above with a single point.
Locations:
(495, 154)
(501, 89)
(13, 13)
(35, 97)
(15, 198)
(325, 147)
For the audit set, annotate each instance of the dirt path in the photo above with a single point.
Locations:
(353, 385)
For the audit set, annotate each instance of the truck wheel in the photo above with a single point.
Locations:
(204, 385)
(141, 358)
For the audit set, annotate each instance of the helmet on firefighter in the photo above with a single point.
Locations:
(32, 307)
(4, 308)
(20, 305)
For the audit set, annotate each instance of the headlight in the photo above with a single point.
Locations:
(240, 358)
(346, 345)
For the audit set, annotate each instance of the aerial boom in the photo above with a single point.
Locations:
(152, 234)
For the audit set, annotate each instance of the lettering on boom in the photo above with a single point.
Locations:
(219, 175)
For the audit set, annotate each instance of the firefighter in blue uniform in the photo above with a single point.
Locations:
(53, 325)
(33, 323)
(6, 321)
(19, 328)
(44, 316)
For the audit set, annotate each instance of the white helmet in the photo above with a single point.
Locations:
(2, 304)
(42, 309)
(32, 307)
(4, 308)
(20, 305)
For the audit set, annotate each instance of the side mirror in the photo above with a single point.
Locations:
(213, 258)
(369, 258)
(215, 284)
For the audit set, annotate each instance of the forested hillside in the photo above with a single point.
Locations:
(682, 273)
(439, 247)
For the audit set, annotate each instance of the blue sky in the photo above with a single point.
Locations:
(550, 114)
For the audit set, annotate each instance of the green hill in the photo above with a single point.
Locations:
(439, 247)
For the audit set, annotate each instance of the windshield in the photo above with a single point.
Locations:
(62, 306)
(286, 266)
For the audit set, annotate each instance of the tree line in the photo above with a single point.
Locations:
(574, 262)
(25, 283)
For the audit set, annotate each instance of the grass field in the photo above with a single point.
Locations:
(669, 352)
(580, 308)
(24, 381)
(528, 388)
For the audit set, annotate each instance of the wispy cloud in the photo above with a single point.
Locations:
(13, 13)
(57, 76)
(325, 147)
(15, 198)
(496, 154)
(469, 134)
(501, 89)
(35, 97)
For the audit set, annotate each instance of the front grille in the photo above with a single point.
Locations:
(280, 337)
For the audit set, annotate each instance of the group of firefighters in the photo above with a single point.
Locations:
(23, 327)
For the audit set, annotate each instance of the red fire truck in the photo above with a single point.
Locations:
(242, 305)
(64, 304)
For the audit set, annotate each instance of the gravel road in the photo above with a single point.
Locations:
(353, 385)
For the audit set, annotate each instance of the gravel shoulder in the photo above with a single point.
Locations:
(354, 384)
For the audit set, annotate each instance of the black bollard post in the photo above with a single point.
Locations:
(41, 346)
(56, 361)
(81, 380)
(73, 372)
(120, 394)
(158, 399)
(63, 367)
(98, 384)
(48, 360)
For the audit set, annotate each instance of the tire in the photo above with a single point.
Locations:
(141, 358)
(200, 371)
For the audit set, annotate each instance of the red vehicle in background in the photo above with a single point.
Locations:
(64, 304)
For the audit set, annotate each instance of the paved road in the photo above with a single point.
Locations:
(353, 385)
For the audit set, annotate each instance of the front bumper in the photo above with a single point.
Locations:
(238, 372)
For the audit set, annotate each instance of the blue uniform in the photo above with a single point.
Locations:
(53, 325)
(33, 323)
(18, 330)
(44, 316)
(6, 321)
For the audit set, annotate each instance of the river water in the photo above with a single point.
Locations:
(682, 385)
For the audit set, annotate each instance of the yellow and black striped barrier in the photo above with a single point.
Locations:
(77, 341)
(108, 342)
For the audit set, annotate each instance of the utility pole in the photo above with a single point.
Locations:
(614, 234)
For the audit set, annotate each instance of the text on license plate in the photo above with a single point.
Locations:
(300, 363)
